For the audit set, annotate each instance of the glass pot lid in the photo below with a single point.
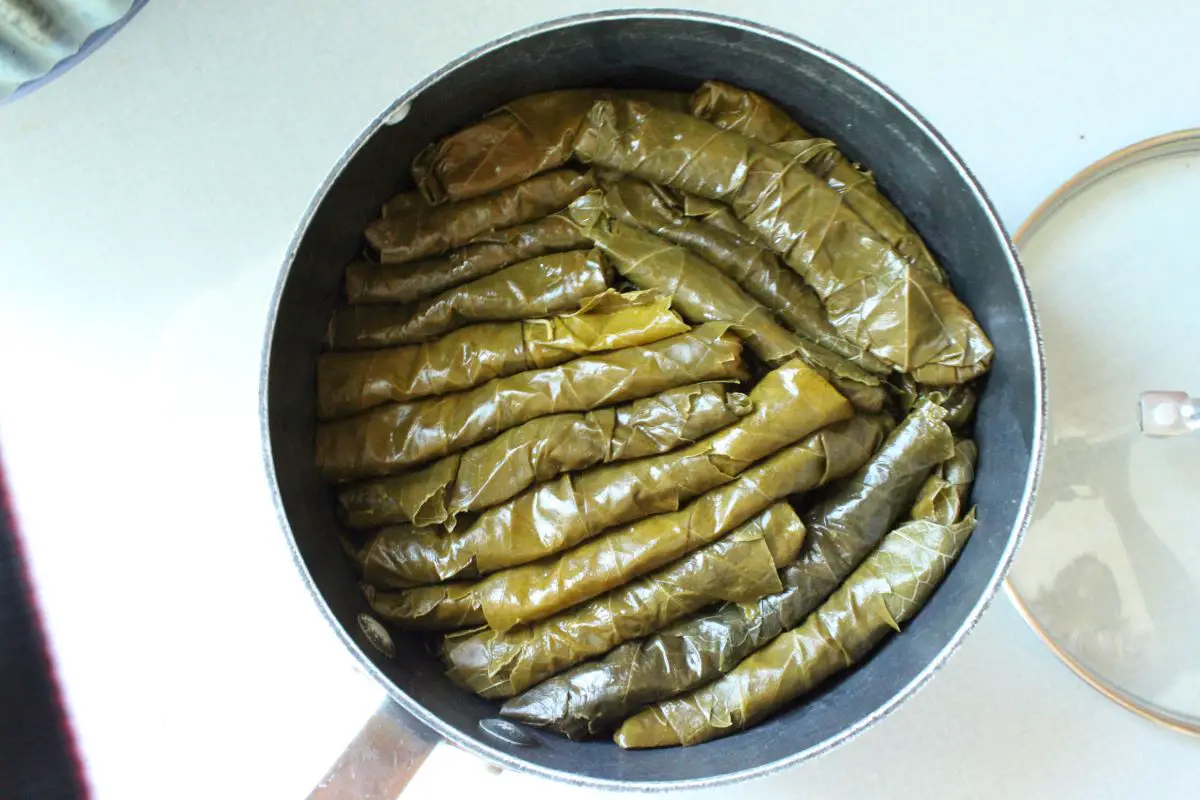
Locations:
(1109, 575)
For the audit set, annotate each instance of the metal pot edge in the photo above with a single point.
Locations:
(1037, 446)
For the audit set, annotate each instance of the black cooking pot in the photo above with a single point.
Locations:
(665, 50)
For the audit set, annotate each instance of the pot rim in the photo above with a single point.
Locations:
(499, 757)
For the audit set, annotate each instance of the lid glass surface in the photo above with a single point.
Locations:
(1109, 574)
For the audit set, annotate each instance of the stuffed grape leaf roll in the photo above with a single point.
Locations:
(498, 469)
(443, 607)
(788, 404)
(392, 437)
(367, 282)
(959, 400)
(700, 291)
(352, 382)
(412, 228)
(544, 285)
(872, 295)
(514, 142)
(533, 591)
(943, 496)
(909, 560)
(842, 530)
(732, 248)
(703, 293)
(741, 566)
(888, 589)
(751, 114)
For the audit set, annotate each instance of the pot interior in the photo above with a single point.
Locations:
(667, 51)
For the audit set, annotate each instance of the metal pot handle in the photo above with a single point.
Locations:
(381, 759)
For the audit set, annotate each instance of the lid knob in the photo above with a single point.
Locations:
(1168, 413)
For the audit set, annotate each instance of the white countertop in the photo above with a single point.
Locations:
(146, 199)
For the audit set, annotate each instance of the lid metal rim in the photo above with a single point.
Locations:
(1168, 144)
(1127, 701)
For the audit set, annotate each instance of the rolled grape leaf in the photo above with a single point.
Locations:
(943, 496)
(959, 401)
(500, 468)
(751, 114)
(731, 247)
(367, 282)
(703, 293)
(532, 288)
(700, 291)
(740, 567)
(714, 213)
(377, 558)
(444, 607)
(514, 142)
(884, 592)
(842, 531)
(593, 697)
(352, 382)
(534, 591)
(411, 228)
(848, 523)
(873, 296)
(390, 438)
(847, 366)
(789, 403)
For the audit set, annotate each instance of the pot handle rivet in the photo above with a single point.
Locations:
(377, 635)
(507, 732)
(398, 114)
